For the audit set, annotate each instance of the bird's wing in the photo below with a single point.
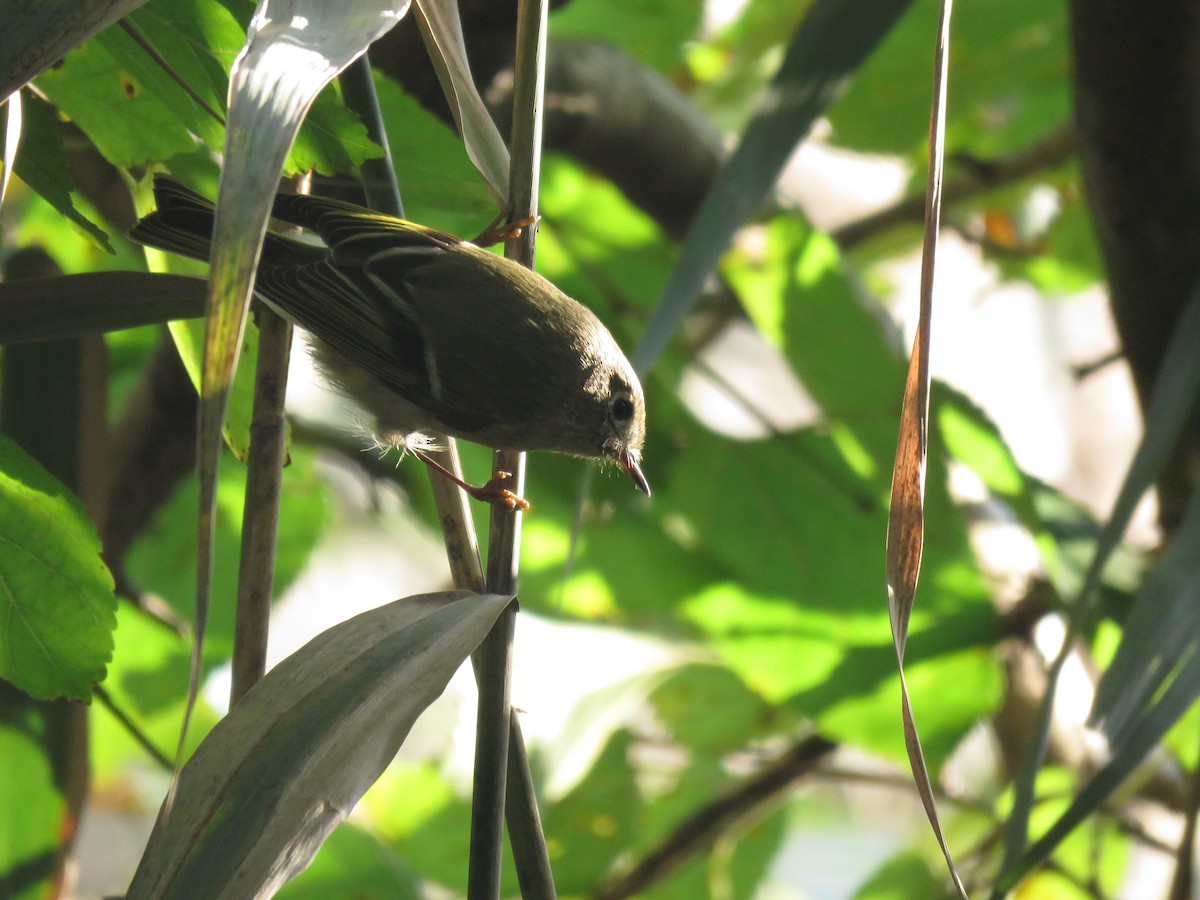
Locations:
(378, 334)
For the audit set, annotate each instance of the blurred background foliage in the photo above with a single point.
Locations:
(743, 705)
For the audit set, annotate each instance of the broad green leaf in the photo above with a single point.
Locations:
(688, 700)
(737, 850)
(56, 600)
(973, 439)
(163, 559)
(795, 289)
(599, 248)
(440, 185)
(901, 878)
(289, 762)
(129, 124)
(331, 141)
(197, 40)
(1070, 260)
(588, 829)
(146, 682)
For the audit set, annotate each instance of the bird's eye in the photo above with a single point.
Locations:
(622, 409)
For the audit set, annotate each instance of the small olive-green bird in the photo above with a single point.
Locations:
(428, 332)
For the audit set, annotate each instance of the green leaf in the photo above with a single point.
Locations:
(1007, 83)
(129, 123)
(198, 40)
(655, 32)
(833, 40)
(354, 863)
(33, 809)
(441, 186)
(795, 289)
(288, 763)
(42, 164)
(588, 829)
(163, 559)
(331, 140)
(709, 708)
(56, 599)
(903, 877)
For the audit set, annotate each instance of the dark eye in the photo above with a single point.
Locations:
(622, 409)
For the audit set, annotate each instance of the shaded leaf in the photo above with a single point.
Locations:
(33, 810)
(42, 309)
(293, 757)
(354, 862)
(1009, 86)
(442, 30)
(42, 164)
(36, 35)
(56, 601)
(1168, 414)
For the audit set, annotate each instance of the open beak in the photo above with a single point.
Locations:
(629, 463)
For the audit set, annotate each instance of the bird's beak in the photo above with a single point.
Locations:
(629, 462)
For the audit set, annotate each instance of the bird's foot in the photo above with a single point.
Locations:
(496, 493)
(501, 230)
(493, 492)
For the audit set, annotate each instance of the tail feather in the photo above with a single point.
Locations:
(183, 224)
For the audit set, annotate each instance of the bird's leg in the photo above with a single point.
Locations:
(492, 492)
(501, 230)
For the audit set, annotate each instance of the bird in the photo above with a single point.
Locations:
(427, 332)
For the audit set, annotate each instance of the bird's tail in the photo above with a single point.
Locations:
(183, 223)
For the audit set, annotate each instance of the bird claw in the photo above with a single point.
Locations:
(495, 493)
(503, 230)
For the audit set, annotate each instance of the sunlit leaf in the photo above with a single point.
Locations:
(57, 600)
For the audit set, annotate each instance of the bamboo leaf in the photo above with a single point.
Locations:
(906, 517)
(291, 759)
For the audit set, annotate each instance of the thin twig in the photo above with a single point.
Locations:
(260, 519)
(135, 731)
(494, 671)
